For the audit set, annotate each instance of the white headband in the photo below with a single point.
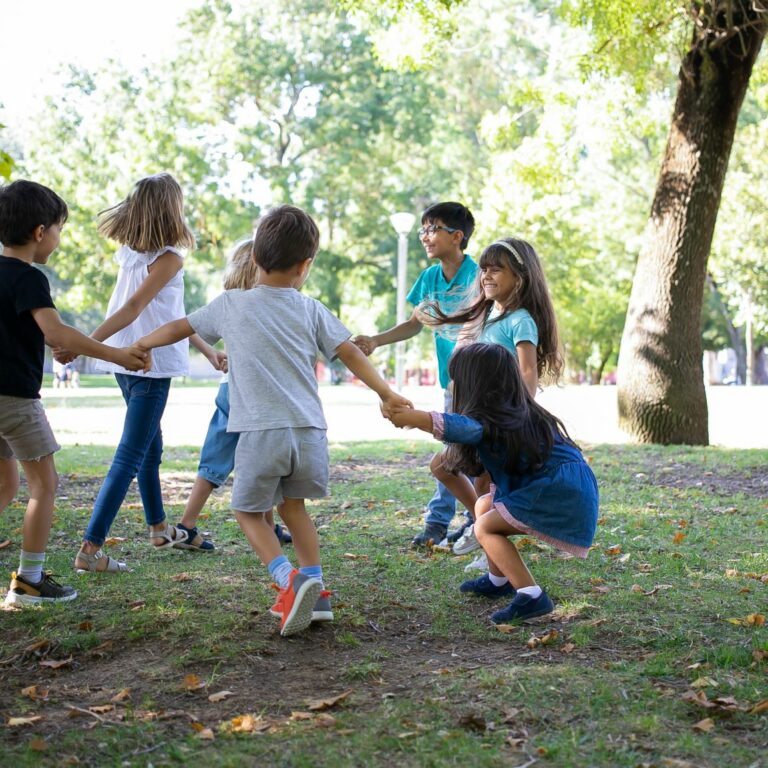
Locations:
(506, 245)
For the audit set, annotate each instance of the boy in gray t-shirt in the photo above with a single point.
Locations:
(273, 334)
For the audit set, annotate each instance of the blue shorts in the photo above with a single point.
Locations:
(217, 456)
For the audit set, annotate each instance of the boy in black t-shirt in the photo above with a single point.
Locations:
(31, 220)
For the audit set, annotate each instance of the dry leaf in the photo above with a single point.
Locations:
(755, 619)
(705, 725)
(15, 722)
(761, 706)
(636, 588)
(535, 641)
(614, 550)
(4, 544)
(206, 734)
(122, 695)
(568, 648)
(137, 605)
(112, 541)
(474, 722)
(38, 745)
(33, 693)
(102, 709)
(100, 650)
(40, 645)
(247, 724)
(192, 683)
(54, 664)
(301, 716)
(678, 538)
(220, 696)
(353, 556)
(320, 704)
(505, 629)
(324, 720)
(85, 626)
(181, 577)
(703, 682)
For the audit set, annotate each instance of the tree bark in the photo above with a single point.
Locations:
(660, 372)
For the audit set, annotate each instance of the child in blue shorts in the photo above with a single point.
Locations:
(217, 456)
(540, 483)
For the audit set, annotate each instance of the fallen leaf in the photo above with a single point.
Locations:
(137, 605)
(122, 695)
(38, 745)
(534, 641)
(755, 619)
(100, 650)
(56, 664)
(568, 648)
(321, 704)
(32, 692)
(614, 550)
(16, 722)
(113, 541)
(4, 544)
(703, 682)
(345, 505)
(705, 725)
(678, 538)
(247, 724)
(761, 706)
(40, 645)
(296, 716)
(181, 577)
(474, 722)
(206, 734)
(220, 696)
(192, 683)
(353, 556)
(324, 720)
(505, 629)
(85, 626)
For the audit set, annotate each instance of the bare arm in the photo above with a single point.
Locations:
(359, 364)
(216, 358)
(407, 417)
(406, 330)
(526, 357)
(160, 272)
(166, 334)
(59, 334)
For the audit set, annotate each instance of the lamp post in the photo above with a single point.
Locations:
(403, 223)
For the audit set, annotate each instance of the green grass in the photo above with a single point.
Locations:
(645, 620)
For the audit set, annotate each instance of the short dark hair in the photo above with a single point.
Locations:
(286, 236)
(25, 205)
(453, 215)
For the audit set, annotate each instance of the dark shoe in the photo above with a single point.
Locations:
(433, 532)
(524, 607)
(283, 536)
(454, 536)
(485, 587)
(194, 540)
(47, 590)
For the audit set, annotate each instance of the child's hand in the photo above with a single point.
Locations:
(133, 358)
(393, 401)
(365, 344)
(63, 356)
(221, 362)
(400, 416)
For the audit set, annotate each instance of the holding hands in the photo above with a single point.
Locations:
(133, 358)
(365, 344)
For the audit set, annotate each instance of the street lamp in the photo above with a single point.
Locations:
(403, 223)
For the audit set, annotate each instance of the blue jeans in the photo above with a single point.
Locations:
(138, 455)
(442, 506)
(217, 456)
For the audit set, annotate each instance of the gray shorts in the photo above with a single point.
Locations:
(25, 433)
(276, 464)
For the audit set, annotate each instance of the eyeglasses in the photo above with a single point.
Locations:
(433, 229)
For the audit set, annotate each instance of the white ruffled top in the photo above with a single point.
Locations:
(168, 305)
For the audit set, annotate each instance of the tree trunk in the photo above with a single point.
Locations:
(660, 373)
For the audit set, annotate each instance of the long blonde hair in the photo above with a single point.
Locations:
(150, 218)
(242, 270)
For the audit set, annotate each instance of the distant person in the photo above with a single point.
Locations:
(217, 456)
(511, 307)
(31, 219)
(543, 487)
(273, 334)
(445, 232)
(150, 227)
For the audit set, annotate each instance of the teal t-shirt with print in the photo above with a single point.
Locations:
(431, 285)
(516, 327)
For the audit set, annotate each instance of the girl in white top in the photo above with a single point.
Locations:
(149, 224)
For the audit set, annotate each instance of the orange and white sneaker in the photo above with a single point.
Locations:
(322, 610)
(296, 602)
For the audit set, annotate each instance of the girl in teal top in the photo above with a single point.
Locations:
(512, 308)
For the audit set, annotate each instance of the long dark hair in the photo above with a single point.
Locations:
(488, 386)
(532, 294)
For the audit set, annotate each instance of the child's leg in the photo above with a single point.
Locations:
(492, 531)
(482, 484)
(146, 399)
(260, 535)
(42, 480)
(459, 485)
(302, 528)
(198, 496)
(9, 481)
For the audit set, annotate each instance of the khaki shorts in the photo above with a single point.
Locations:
(25, 433)
(276, 464)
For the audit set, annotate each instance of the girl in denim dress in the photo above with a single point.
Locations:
(541, 485)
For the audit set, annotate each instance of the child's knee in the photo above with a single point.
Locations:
(482, 505)
(436, 466)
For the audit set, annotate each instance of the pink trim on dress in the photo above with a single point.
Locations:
(574, 549)
(438, 424)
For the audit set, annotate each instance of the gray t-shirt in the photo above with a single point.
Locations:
(273, 336)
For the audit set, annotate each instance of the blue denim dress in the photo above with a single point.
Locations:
(557, 503)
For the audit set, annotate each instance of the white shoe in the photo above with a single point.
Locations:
(480, 564)
(467, 542)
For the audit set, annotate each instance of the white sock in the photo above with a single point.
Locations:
(497, 581)
(31, 566)
(534, 591)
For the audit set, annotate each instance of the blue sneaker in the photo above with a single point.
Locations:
(485, 587)
(524, 607)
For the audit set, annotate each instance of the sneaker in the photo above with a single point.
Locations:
(322, 610)
(194, 540)
(297, 601)
(467, 542)
(480, 563)
(485, 587)
(47, 590)
(434, 532)
(524, 607)
(283, 536)
(454, 536)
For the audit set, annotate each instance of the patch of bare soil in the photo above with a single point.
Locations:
(750, 481)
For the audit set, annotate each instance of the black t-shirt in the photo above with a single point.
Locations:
(22, 344)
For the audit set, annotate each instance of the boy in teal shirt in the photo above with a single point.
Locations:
(445, 232)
